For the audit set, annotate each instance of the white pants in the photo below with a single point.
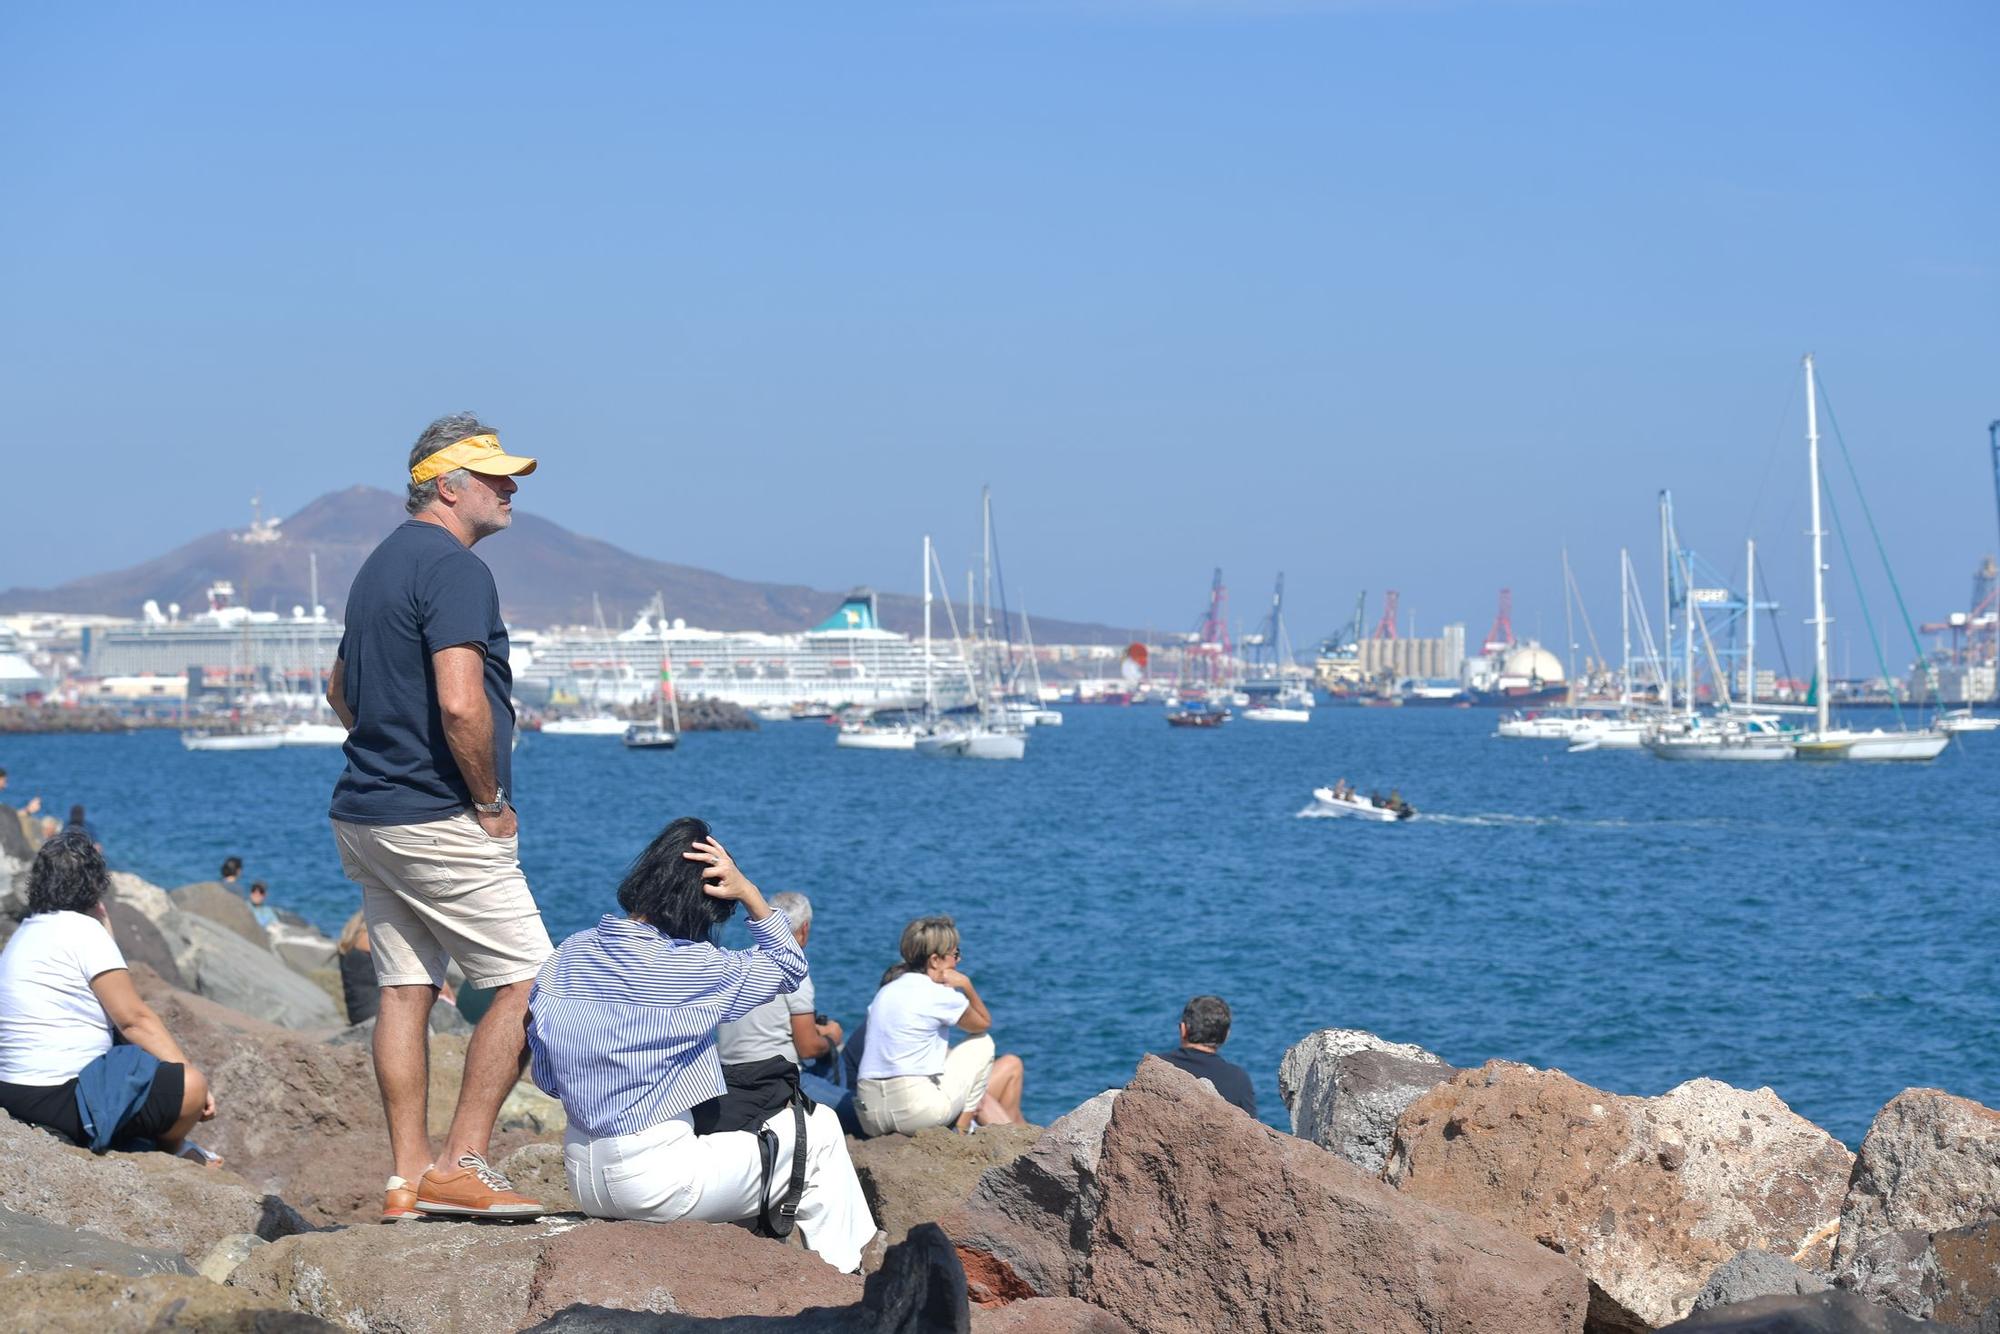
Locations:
(909, 1103)
(668, 1172)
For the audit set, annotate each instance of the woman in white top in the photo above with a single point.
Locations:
(910, 1076)
(63, 988)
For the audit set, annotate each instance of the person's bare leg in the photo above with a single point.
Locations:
(494, 1060)
(194, 1097)
(1003, 1093)
(403, 1069)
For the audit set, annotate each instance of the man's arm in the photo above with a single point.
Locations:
(460, 672)
(812, 1040)
(336, 693)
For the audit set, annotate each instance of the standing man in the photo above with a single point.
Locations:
(1204, 1027)
(422, 815)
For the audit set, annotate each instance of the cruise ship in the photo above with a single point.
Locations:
(848, 659)
(224, 638)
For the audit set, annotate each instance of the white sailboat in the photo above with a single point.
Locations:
(982, 740)
(1824, 741)
(657, 735)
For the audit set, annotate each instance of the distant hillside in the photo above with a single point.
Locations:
(547, 576)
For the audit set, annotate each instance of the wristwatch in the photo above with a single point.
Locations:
(495, 806)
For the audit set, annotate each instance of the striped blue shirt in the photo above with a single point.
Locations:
(621, 1021)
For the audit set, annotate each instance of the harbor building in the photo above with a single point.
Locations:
(1435, 659)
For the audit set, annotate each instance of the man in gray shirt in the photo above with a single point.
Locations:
(786, 1025)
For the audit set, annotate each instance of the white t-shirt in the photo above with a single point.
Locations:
(909, 1028)
(51, 1024)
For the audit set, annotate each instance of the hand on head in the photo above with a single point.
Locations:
(720, 878)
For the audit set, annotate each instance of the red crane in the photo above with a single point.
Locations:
(1386, 627)
(1501, 636)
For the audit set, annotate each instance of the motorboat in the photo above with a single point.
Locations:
(1354, 806)
(1965, 720)
(1720, 743)
(1276, 713)
(1207, 716)
(772, 713)
(263, 740)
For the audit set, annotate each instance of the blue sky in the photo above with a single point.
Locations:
(1383, 295)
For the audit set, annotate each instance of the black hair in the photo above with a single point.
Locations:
(1207, 1020)
(76, 813)
(231, 866)
(259, 887)
(664, 887)
(68, 875)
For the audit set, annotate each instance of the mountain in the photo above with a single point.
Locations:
(547, 576)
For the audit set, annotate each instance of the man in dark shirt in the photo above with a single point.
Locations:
(1204, 1027)
(422, 817)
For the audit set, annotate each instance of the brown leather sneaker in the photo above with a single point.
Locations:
(474, 1189)
(400, 1202)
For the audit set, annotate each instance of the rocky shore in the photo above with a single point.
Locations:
(1412, 1197)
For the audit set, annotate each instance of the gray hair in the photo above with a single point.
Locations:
(440, 433)
(796, 907)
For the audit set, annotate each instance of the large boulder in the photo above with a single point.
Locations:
(457, 1276)
(223, 906)
(218, 963)
(301, 944)
(1047, 1315)
(1209, 1220)
(81, 1302)
(1929, 1163)
(303, 1118)
(1345, 1088)
(921, 1178)
(1952, 1275)
(141, 941)
(1749, 1274)
(1648, 1195)
(28, 1245)
(1819, 1313)
(1027, 1226)
(148, 1200)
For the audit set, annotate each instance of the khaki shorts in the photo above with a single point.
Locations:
(443, 888)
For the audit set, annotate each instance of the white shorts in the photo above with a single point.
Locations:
(442, 888)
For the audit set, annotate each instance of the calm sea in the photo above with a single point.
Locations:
(1827, 930)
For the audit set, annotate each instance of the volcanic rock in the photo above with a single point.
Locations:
(223, 906)
(141, 941)
(537, 1172)
(147, 1200)
(1027, 1226)
(433, 1276)
(1648, 1195)
(1346, 1087)
(1749, 1274)
(30, 1246)
(77, 1302)
(1209, 1220)
(303, 1118)
(221, 965)
(1818, 1313)
(921, 1178)
(1047, 1315)
(1929, 1163)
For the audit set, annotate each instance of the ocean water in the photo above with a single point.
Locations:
(1828, 931)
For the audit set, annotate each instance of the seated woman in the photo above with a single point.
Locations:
(64, 988)
(621, 1024)
(910, 1078)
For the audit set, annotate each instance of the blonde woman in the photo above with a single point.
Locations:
(911, 1077)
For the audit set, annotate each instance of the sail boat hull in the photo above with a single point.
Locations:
(1759, 750)
(1877, 745)
(871, 738)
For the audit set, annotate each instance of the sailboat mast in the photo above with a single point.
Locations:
(1625, 629)
(928, 708)
(1750, 635)
(1666, 644)
(1569, 626)
(1819, 619)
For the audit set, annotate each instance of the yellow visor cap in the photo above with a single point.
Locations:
(476, 453)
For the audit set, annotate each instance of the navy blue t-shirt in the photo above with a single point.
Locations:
(1230, 1080)
(418, 592)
